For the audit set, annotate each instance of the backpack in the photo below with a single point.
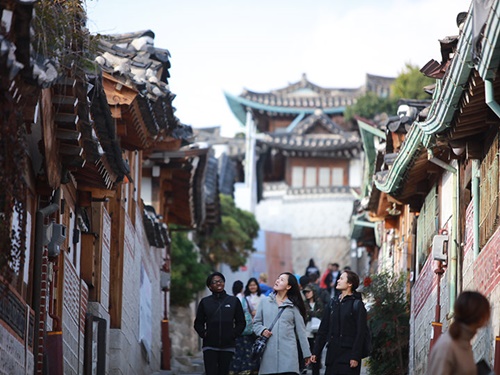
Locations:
(366, 351)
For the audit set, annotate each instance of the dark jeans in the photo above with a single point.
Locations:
(217, 362)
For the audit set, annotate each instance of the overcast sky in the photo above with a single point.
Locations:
(261, 45)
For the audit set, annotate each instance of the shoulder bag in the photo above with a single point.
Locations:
(260, 343)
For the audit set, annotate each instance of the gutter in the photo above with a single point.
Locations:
(41, 215)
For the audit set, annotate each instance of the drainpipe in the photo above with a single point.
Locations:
(489, 97)
(475, 204)
(453, 253)
(41, 215)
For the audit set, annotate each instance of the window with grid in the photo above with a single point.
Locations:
(488, 206)
(427, 226)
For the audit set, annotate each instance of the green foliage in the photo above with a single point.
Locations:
(389, 320)
(188, 275)
(409, 84)
(370, 105)
(231, 242)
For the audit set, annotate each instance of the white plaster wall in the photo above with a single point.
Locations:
(446, 200)
(319, 226)
(126, 353)
(307, 217)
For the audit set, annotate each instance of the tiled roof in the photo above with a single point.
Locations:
(133, 61)
(317, 118)
(305, 94)
(304, 97)
(316, 144)
(136, 61)
(16, 53)
(317, 134)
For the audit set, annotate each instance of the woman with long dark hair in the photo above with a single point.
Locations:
(452, 354)
(289, 332)
(253, 294)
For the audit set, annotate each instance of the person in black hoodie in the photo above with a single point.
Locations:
(219, 320)
(344, 327)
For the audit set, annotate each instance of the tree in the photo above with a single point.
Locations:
(231, 242)
(188, 275)
(389, 320)
(370, 105)
(409, 84)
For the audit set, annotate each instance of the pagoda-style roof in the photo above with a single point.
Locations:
(303, 97)
(316, 135)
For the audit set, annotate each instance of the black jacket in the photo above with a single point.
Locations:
(344, 333)
(219, 320)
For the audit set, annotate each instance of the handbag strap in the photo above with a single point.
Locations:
(249, 308)
(277, 317)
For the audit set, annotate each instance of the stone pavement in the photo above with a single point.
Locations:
(193, 365)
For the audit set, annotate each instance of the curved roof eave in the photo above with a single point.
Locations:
(446, 99)
(442, 110)
(238, 104)
(487, 66)
(416, 138)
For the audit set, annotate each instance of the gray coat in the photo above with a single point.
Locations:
(281, 354)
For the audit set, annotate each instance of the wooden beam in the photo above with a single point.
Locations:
(117, 213)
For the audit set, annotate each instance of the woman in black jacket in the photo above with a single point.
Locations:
(219, 320)
(343, 326)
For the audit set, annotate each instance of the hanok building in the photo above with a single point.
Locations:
(307, 162)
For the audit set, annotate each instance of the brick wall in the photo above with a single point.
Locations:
(482, 274)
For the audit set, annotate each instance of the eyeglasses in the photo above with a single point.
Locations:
(218, 281)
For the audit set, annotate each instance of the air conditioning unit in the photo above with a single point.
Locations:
(440, 247)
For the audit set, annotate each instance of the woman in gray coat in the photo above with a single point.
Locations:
(281, 354)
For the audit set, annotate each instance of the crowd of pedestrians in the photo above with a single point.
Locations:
(300, 315)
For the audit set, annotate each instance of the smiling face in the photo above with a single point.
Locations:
(217, 284)
(252, 287)
(281, 283)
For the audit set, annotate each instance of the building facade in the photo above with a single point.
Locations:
(303, 162)
(84, 259)
(430, 203)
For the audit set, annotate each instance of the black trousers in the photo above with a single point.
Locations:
(315, 367)
(217, 362)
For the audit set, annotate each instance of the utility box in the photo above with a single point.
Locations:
(440, 247)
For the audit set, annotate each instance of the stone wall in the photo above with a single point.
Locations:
(319, 226)
(14, 358)
(184, 339)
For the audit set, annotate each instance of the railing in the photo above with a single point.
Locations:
(281, 187)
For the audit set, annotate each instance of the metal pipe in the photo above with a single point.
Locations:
(489, 97)
(41, 214)
(475, 204)
(454, 244)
